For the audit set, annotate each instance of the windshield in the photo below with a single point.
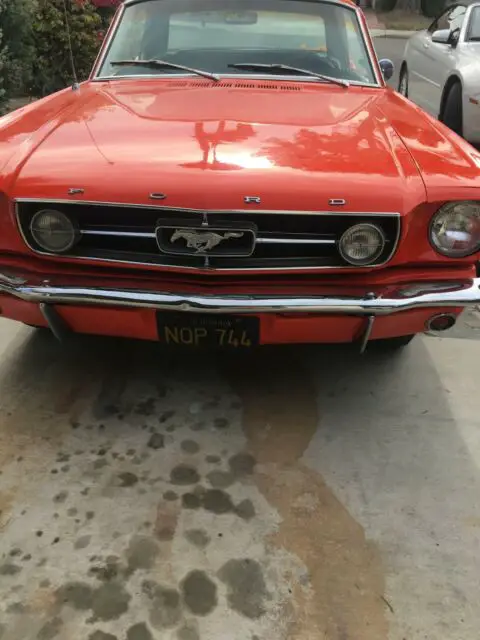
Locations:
(212, 35)
(473, 33)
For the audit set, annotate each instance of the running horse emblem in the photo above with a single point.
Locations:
(203, 241)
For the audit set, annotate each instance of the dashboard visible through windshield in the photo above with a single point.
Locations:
(228, 37)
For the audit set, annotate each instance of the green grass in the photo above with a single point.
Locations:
(402, 21)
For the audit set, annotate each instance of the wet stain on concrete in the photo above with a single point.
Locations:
(127, 479)
(139, 631)
(82, 542)
(198, 537)
(166, 607)
(184, 474)
(110, 601)
(9, 569)
(217, 501)
(191, 501)
(156, 441)
(107, 571)
(16, 607)
(78, 595)
(343, 597)
(50, 629)
(220, 479)
(61, 497)
(245, 510)
(100, 463)
(189, 631)
(199, 593)
(221, 423)
(141, 553)
(242, 464)
(101, 635)
(246, 587)
(190, 446)
(170, 496)
(166, 415)
(146, 407)
(212, 459)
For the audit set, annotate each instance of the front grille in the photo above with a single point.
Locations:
(284, 240)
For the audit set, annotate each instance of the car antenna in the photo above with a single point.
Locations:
(75, 86)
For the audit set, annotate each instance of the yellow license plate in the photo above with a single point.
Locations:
(199, 330)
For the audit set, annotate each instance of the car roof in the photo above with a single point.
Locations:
(350, 3)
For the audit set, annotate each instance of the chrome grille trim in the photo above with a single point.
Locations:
(124, 234)
(261, 240)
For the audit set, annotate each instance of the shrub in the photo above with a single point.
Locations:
(385, 5)
(16, 47)
(51, 67)
(3, 61)
(433, 8)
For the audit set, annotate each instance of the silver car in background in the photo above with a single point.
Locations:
(441, 69)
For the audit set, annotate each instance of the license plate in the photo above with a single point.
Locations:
(203, 330)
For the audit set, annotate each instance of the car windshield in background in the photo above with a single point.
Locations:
(215, 36)
(473, 32)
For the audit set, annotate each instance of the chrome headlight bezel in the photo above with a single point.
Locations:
(358, 228)
(65, 219)
(447, 209)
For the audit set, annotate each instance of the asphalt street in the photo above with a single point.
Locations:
(391, 48)
(293, 493)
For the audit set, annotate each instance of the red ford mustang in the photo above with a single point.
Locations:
(236, 173)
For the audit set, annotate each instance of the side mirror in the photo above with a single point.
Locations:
(442, 36)
(387, 68)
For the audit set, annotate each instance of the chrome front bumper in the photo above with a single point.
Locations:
(404, 298)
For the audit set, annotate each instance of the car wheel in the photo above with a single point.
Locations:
(452, 110)
(403, 81)
(392, 344)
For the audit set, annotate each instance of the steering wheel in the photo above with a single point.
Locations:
(333, 63)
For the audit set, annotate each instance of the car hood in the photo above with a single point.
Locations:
(449, 166)
(204, 145)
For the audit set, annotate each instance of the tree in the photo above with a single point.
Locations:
(3, 60)
(16, 47)
(52, 69)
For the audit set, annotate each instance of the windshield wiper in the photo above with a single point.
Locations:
(163, 64)
(260, 66)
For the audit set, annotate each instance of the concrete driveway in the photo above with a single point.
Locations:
(297, 494)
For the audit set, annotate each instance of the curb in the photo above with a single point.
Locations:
(391, 33)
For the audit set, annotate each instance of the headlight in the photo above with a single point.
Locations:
(455, 229)
(362, 244)
(53, 231)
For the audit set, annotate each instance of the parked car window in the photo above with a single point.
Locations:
(473, 32)
(318, 36)
(456, 18)
(452, 19)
